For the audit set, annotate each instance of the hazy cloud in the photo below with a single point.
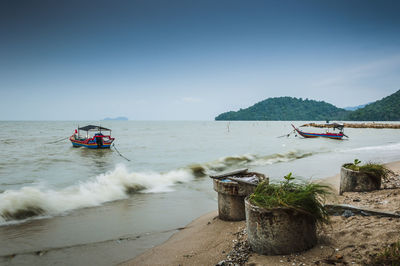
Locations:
(191, 100)
(363, 71)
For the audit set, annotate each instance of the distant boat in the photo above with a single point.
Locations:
(98, 140)
(339, 135)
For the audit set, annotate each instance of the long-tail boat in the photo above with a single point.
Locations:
(329, 135)
(98, 140)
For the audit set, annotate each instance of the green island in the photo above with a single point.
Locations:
(290, 108)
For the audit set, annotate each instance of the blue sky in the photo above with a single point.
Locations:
(191, 60)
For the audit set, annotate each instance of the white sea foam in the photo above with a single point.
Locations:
(113, 185)
(116, 185)
(246, 160)
(256, 160)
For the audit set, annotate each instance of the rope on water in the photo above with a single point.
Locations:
(57, 140)
(286, 135)
(113, 145)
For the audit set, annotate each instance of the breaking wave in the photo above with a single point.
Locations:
(114, 185)
(246, 160)
(118, 184)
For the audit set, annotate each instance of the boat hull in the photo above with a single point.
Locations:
(316, 135)
(90, 144)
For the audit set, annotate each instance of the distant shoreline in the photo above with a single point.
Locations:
(119, 118)
(357, 125)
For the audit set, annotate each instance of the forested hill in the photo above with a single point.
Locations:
(287, 108)
(387, 109)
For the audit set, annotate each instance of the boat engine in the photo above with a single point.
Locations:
(99, 141)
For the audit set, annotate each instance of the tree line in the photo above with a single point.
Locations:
(290, 108)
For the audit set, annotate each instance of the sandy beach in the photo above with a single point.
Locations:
(349, 240)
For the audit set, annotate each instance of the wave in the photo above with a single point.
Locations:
(387, 147)
(246, 160)
(116, 185)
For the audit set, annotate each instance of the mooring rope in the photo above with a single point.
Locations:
(57, 140)
(113, 145)
(286, 135)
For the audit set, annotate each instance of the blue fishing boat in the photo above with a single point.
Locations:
(93, 137)
(329, 135)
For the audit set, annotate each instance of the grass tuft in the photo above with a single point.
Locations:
(389, 256)
(305, 197)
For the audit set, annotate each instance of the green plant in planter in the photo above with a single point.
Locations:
(374, 170)
(305, 197)
(353, 166)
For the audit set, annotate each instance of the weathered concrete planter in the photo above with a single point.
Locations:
(279, 231)
(356, 181)
(231, 197)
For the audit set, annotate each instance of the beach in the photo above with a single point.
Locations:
(346, 240)
(117, 117)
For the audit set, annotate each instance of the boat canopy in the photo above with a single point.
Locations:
(93, 128)
(338, 126)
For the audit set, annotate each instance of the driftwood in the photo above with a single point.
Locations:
(232, 173)
(241, 176)
(341, 209)
(356, 125)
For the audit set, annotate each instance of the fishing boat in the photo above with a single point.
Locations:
(329, 135)
(93, 137)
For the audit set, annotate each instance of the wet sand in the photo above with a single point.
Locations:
(105, 235)
(91, 236)
(353, 240)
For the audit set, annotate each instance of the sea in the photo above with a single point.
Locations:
(61, 205)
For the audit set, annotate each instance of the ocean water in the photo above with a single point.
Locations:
(64, 205)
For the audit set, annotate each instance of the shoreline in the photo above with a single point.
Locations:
(208, 240)
(358, 125)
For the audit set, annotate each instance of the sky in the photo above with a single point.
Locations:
(191, 60)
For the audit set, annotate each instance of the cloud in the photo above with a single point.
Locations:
(191, 100)
(360, 72)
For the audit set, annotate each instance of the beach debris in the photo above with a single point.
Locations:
(40, 253)
(240, 252)
(363, 213)
(348, 213)
(250, 180)
(346, 210)
(231, 173)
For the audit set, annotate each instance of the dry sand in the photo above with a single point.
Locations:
(346, 241)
